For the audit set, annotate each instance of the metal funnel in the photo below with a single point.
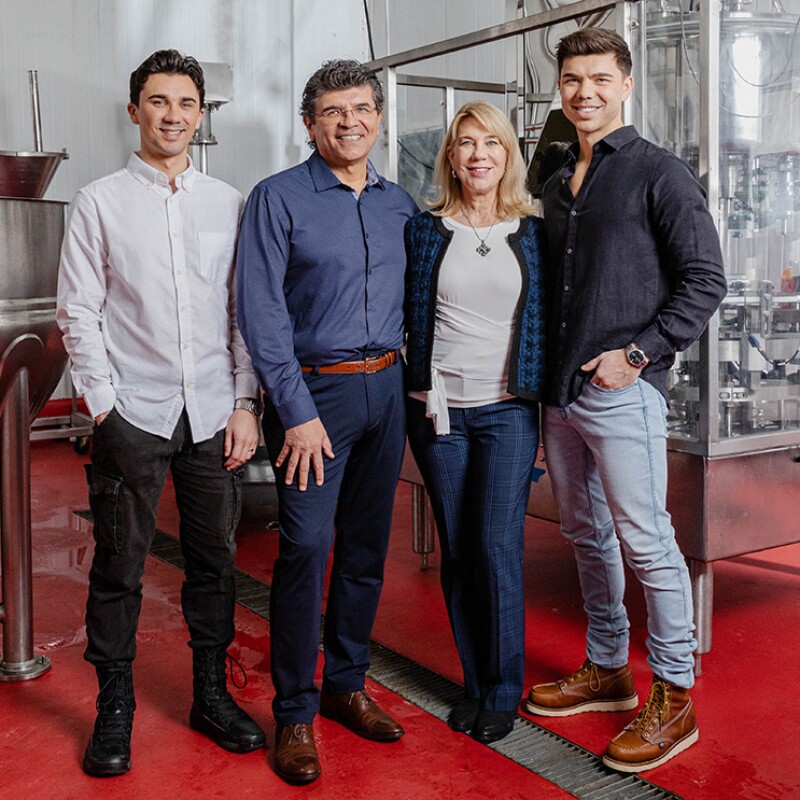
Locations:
(28, 174)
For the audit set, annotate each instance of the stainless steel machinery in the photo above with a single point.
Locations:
(718, 83)
(722, 90)
(32, 360)
(756, 58)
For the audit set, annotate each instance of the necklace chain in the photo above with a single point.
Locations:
(482, 249)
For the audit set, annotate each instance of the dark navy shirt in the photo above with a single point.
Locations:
(320, 275)
(635, 257)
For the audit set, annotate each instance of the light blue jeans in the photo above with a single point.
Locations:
(607, 458)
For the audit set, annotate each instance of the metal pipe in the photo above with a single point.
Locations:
(392, 154)
(423, 540)
(33, 80)
(702, 579)
(494, 33)
(18, 662)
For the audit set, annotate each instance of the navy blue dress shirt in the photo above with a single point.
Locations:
(320, 275)
(635, 257)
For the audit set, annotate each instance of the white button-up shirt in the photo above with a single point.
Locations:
(146, 299)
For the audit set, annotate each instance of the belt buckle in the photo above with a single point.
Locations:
(373, 365)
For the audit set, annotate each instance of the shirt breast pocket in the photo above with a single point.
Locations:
(216, 255)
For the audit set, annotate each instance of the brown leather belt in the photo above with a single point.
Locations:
(367, 367)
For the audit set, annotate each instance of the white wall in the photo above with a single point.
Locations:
(85, 51)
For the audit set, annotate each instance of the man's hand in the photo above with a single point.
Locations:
(304, 445)
(101, 417)
(612, 370)
(241, 438)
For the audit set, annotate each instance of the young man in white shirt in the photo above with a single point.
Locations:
(147, 308)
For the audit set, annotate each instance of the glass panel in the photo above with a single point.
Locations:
(420, 125)
(759, 190)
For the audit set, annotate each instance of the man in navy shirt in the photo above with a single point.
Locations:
(321, 265)
(635, 272)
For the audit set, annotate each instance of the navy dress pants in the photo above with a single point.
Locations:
(365, 421)
(479, 479)
(129, 471)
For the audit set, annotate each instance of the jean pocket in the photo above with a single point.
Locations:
(603, 390)
(105, 500)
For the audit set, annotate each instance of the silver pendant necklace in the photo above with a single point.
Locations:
(482, 249)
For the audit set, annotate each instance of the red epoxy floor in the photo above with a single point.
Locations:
(747, 703)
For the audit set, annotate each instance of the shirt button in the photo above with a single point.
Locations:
(174, 234)
(569, 250)
(563, 324)
(573, 213)
(179, 272)
(566, 287)
(186, 347)
(563, 180)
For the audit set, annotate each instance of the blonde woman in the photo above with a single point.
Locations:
(475, 351)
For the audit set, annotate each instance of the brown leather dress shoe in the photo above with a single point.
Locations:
(359, 712)
(665, 726)
(590, 688)
(296, 757)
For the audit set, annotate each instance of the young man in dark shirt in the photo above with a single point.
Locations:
(635, 273)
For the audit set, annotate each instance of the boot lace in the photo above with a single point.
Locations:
(587, 668)
(656, 709)
(114, 712)
(232, 662)
(215, 695)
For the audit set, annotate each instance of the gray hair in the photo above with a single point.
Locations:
(339, 74)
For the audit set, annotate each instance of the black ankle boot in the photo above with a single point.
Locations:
(214, 711)
(109, 750)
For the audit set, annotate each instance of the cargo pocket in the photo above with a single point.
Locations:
(105, 500)
(233, 510)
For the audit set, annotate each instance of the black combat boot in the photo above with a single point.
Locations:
(109, 750)
(214, 711)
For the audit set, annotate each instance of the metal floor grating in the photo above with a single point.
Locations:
(552, 757)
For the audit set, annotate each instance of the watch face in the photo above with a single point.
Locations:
(635, 356)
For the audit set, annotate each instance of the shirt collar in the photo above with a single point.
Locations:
(323, 177)
(615, 140)
(152, 177)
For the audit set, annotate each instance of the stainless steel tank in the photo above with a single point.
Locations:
(32, 360)
(758, 57)
(30, 241)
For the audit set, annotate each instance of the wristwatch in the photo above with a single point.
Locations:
(635, 356)
(251, 404)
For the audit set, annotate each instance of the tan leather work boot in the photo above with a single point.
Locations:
(665, 726)
(591, 688)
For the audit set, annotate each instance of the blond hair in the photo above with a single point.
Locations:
(511, 195)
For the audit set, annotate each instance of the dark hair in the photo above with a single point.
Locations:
(339, 74)
(595, 42)
(169, 62)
